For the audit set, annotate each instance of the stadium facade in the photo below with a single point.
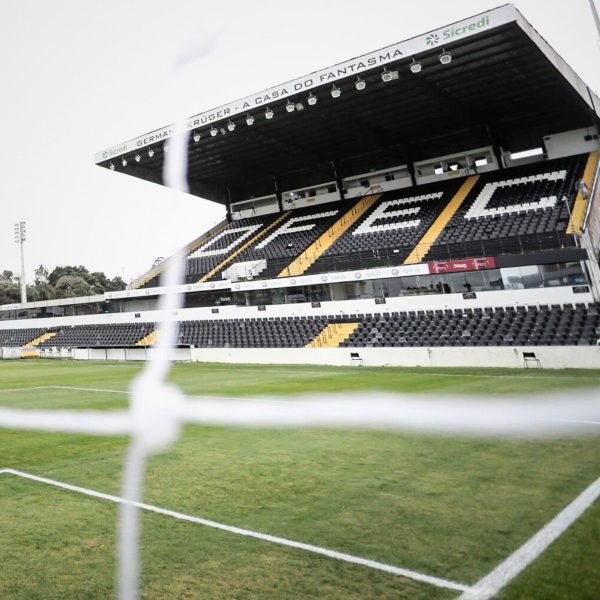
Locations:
(432, 202)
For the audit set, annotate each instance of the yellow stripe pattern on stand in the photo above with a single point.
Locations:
(39, 340)
(243, 247)
(333, 335)
(422, 248)
(310, 256)
(148, 340)
(581, 203)
(158, 270)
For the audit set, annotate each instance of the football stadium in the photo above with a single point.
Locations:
(375, 378)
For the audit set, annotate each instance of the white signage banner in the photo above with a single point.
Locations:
(436, 38)
(281, 282)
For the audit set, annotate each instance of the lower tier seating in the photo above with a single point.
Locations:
(563, 325)
(99, 336)
(19, 337)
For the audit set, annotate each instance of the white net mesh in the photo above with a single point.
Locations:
(157, 411)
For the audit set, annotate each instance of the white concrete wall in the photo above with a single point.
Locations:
(551, 357)
(179, 354)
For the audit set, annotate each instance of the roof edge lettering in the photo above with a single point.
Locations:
(427, 41)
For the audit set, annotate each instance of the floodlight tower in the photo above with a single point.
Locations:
(20, 237)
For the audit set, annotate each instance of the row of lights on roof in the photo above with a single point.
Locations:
(360, 84)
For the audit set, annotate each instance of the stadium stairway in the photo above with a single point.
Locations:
(333, 335)
(433, 233)
(581, 203)
(148, 340)
(40, 339)
(242, 248)
(307, 258)
(150, 276)
(514, 211)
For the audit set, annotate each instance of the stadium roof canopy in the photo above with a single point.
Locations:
(504, 86)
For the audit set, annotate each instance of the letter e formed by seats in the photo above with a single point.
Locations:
(381, 212)
(292, 227)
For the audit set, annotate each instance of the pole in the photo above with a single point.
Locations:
(20, 237)
(595, 14)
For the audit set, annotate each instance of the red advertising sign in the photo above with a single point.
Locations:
(457, 266)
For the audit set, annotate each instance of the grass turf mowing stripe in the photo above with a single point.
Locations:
(506, 571)
(409, 574)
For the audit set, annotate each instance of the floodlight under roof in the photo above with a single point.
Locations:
(269, 113)
(137, 158)
(415, 66)
(289, 106)
(150, 152)
(196, 136)
(214, 131)
(230, 125)
(386, 75)
(112, 167)
(335, 91)
(360, 84)
(249, 119)
(124, 161)
(445, 57)
(312, 99)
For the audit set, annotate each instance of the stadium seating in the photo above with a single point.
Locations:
(563, 325)
(390, 230)
(99, 336)
(19, 337)
(212, 253)
(503, 326)
(516, 210)
(290, 238)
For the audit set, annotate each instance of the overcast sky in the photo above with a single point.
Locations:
(79, 76)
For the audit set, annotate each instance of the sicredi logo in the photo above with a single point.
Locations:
(433, 39)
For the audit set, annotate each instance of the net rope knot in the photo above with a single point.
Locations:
(154, 408)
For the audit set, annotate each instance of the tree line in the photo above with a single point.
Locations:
(62, 282)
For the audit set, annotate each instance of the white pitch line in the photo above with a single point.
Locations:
(26, 389)
(435, 581)
(101, 390)
(506, 571)
(82, 389)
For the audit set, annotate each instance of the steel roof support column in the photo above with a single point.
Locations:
(278, 192)
(337, 175)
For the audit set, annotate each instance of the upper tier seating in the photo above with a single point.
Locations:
(568, 325)
(291, 237)
(391, 228)
(514, 210)
(212, 252)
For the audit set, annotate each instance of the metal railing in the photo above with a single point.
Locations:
(390, 257)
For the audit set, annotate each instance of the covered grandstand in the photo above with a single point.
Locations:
(439, 194)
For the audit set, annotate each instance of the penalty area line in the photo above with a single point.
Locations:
(506, 571)
(27, 389)
(365, 562)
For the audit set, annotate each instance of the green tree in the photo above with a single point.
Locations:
(69, 286)
(7, 277)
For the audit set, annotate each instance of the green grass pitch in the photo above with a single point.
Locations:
(451, 508)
